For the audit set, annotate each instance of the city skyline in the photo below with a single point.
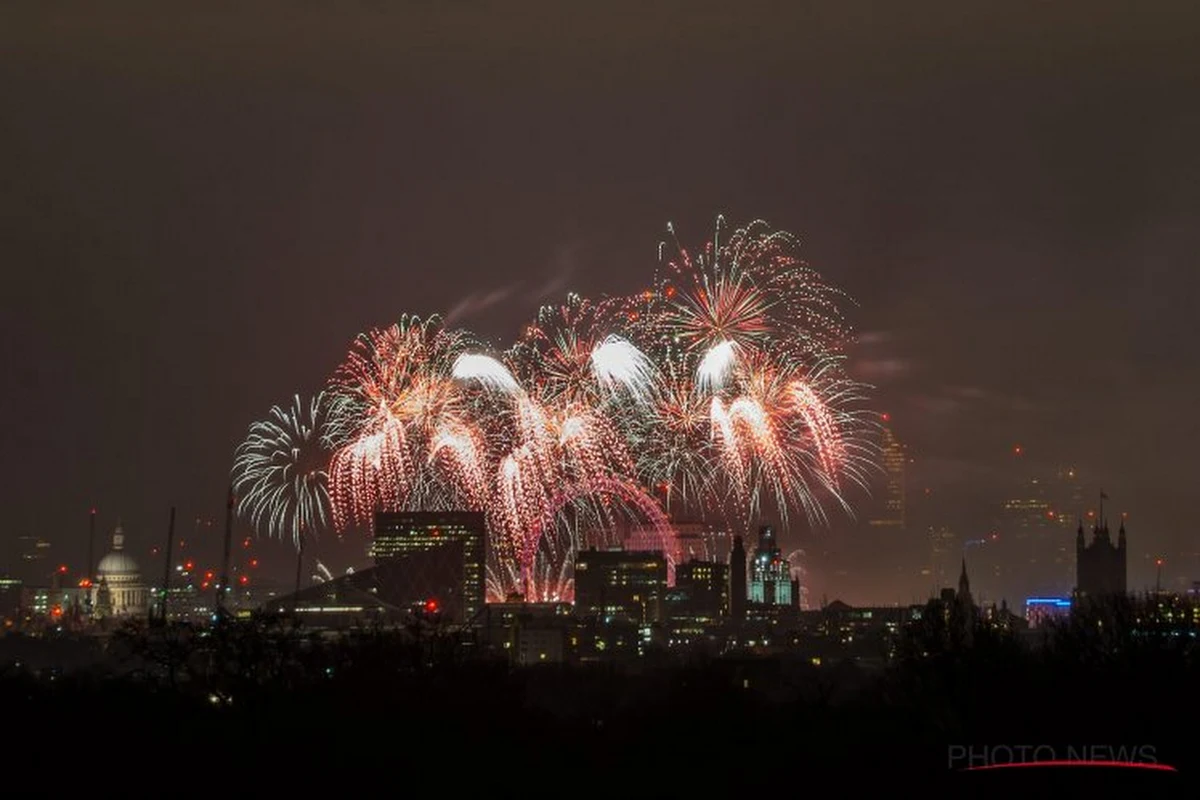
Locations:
(1014, 234)
(538, 397)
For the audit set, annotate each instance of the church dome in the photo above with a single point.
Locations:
(117, 563)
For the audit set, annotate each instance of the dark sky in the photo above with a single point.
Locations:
(198, 211)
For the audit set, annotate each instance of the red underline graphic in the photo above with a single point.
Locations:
(1077, 762)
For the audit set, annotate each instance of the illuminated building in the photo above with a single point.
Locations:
(119, 591)
(620, 584)
(1100, 565)
(868, 635)
(737, 581)
(530, 633)
(44, 607)
(1039, 610)
(397, 534)
(699, 599)
(10, 601)
(770, 574)
(892, 455)
(707, 586)
(1034, 546)
(596, 640)
(1034, 556)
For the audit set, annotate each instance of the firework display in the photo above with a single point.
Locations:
(718, 391)
(279, 470)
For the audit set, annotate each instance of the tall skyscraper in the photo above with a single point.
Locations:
(1035, 556)
(890, 510)
(737, 581)
(406, 532)
(770, 575)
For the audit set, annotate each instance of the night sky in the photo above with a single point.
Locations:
(199, 211)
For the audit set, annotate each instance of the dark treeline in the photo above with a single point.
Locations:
(267, 702)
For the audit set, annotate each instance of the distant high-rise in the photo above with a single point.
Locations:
(737, 580)
(1068, 499)
(35, 559)
(703, 590)
(1034, 557)
(398, 533)
(943, 544)
(1100, 565)
(891, 510)
(770, 574)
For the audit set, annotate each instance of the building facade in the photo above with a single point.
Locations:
(400, 533)
(891, 512)
(118, 590)
(620, 584)
(1100, 565)
(703, 589)
(770, 574)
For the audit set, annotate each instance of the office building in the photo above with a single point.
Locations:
(701, 591)
(620, 584)
(890, 511)
(401, 533)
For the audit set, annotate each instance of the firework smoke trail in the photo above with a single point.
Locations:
(717, 390)
(279, 471)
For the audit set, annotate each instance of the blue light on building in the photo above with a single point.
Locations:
(1040, 609)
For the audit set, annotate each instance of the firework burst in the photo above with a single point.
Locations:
(717, 391)
(280, 470)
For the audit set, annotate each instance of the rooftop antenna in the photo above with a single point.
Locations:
(299, 569)
(91, 544)
(166, 590)
(223, 585)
